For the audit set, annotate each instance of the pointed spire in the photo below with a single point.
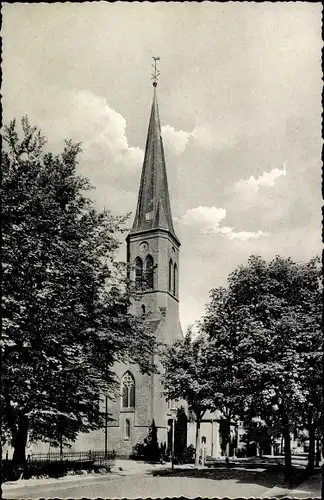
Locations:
(153, 206)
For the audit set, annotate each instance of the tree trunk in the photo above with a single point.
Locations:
(311, 451)
(318, 452)
(286, 436)
(19, 441)
(228, 448)
(247, 447)
(197, 440)
(260, 451)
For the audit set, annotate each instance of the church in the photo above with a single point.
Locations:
(153, 255)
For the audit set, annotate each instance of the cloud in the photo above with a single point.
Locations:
(209, 219)
(175, 140)
(101, 129)
(202, 137)
(240, 235)
(267, 179)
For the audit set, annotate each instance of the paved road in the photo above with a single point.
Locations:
(138, 486)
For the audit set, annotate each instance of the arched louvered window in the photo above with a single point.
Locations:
(170, 275)
(138, 273)
(149, 281)
(175, 279)
(128, 391)
(127, 428)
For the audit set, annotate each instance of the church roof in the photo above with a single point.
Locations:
(153, 207)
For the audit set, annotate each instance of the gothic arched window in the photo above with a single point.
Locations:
(149, 282)
(175, 279)
(127, 428)
(138, 273)
(170, 275)
(128, 391)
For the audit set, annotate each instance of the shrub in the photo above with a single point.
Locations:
(189, 455)
(149, 450)
(138, 451)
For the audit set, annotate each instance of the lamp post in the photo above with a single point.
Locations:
(173, 412)
(212, 437)
(106, 426)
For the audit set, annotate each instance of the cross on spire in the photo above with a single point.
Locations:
(156, 73)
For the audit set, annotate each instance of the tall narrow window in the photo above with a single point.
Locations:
(138, 273)
(127, 429)
(125, 396)
(175, 279)
(128, 391)
(149, 282)
(170, 275)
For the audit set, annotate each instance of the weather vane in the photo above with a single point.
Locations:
(156, 73)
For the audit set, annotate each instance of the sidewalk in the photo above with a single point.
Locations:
(22, 483)
(120, 468)
(129, 467)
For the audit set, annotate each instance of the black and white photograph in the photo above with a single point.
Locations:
(161, 250)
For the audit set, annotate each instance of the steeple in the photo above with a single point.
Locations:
(153, 207)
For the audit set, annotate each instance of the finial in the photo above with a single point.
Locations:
(156, 73)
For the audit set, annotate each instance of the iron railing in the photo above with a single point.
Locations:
(56, 464)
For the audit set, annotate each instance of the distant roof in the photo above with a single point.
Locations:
(211, 415)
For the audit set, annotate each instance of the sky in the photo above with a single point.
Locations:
(239, 96)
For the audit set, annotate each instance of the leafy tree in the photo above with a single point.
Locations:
(281, 303)
(264, 338)
(186, 377)
(221, 327)
(66, 317)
